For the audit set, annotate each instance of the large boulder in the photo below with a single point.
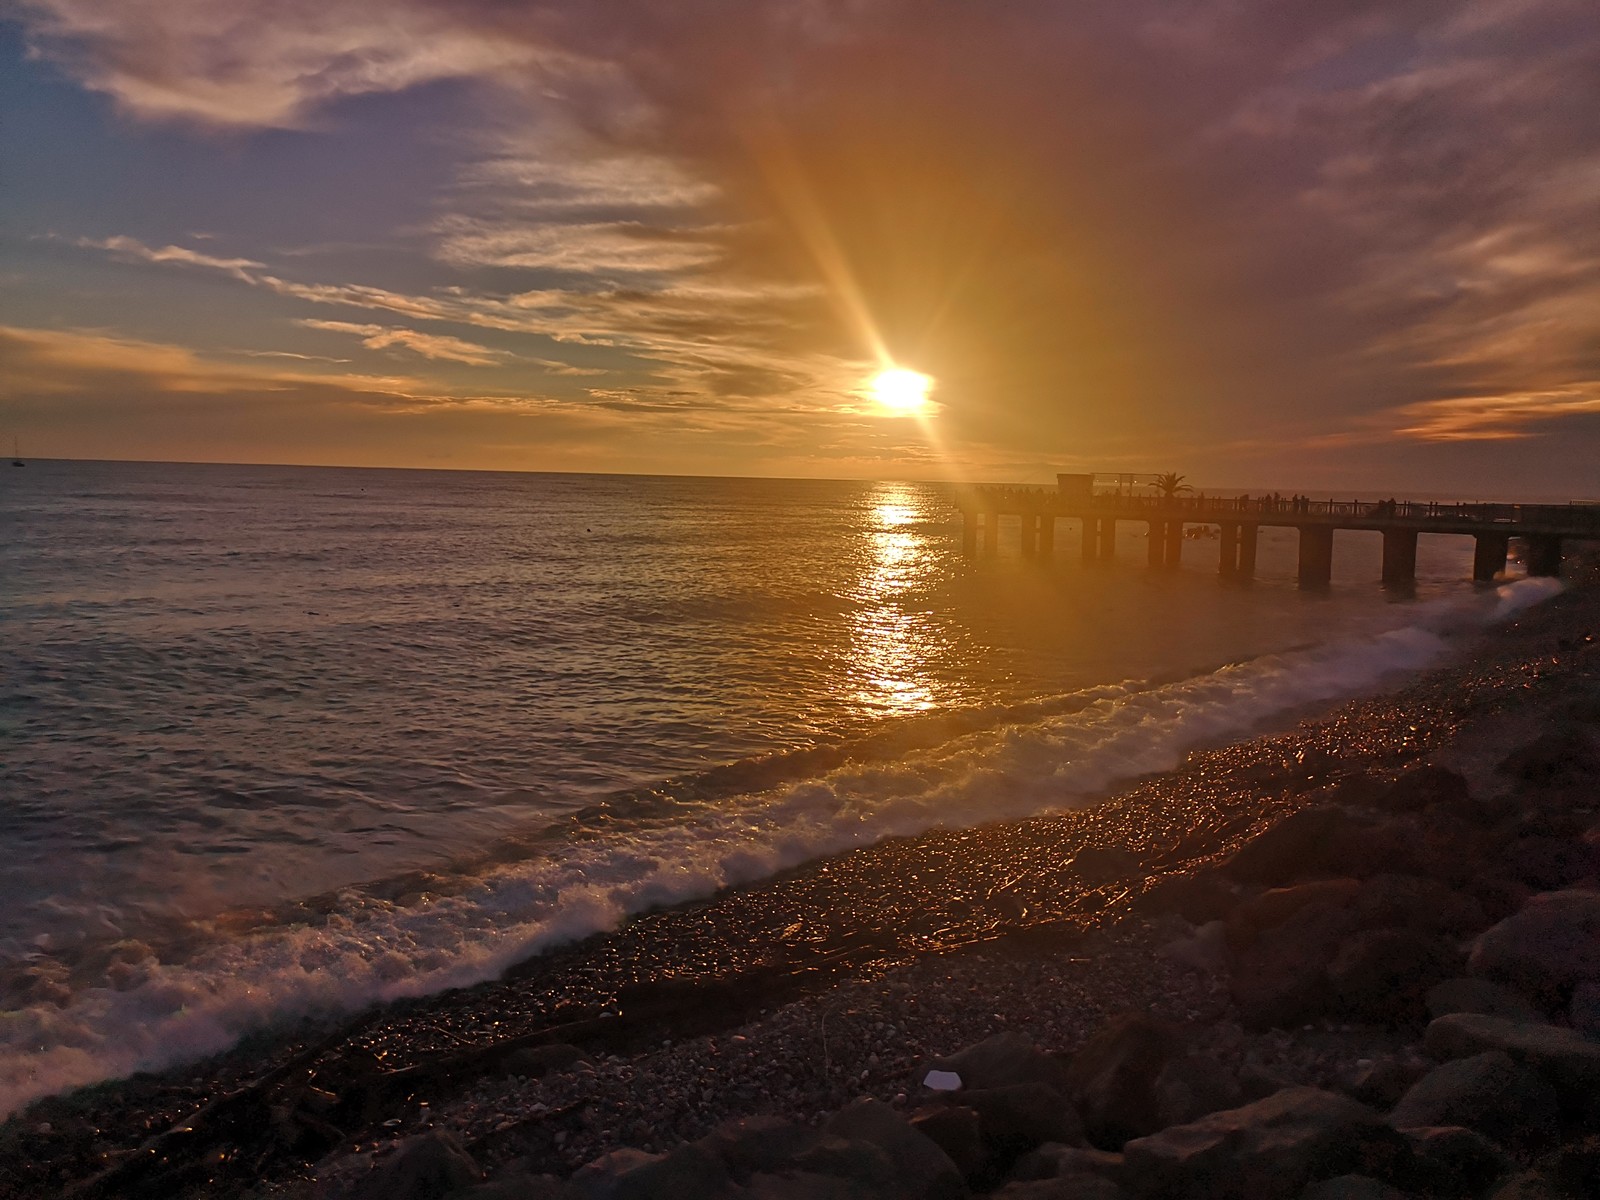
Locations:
(1281, 980)
(1003, 1060)
(956, 1129)
(1294, 848)
(1463, 995)
(1453, 1161)
(1013, 1120)
(755, 1144)
(1112, 1078)
(1567, 1059)
(1273, 907)
(1053, 1160)
(1562, 756)
(1383, 975)
(925, 1171)
(1269, 1150)
(1353, 1187)
(1545, 863)
(1199, 898)
(805, 1185)
(1545, 949)
(690, 1172)
(1487, 1092)
(1067, 1187)
(1392, 901)
(1192, 1085)
(426, 1167)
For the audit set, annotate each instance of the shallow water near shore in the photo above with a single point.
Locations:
(291, 740)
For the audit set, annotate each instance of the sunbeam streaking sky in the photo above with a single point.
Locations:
(1344, 245)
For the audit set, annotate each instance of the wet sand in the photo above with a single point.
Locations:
(798, 993)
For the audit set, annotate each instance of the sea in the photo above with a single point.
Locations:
(279, 742)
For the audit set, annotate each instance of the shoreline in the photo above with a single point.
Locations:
(1017, 890)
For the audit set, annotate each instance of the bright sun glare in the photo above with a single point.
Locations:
(901, 390)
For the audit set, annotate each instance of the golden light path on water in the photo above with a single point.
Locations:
(891, 648)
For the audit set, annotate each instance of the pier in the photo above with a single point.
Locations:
(1545, 529)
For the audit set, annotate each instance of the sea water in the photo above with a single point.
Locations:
(280, 741)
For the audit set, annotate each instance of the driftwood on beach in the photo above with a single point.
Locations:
(1365, 950)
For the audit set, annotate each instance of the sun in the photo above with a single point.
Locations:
(901, 390)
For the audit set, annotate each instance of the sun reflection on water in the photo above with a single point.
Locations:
(894, 647)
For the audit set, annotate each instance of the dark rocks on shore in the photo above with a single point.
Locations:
(1488, 1093)
(1462, 995)
(427, 1167)
(1547, 948)
(689, 1172)
(1003, 1060)
(1454, 1161)
(1200, 898)
(1566, 1059)
(924, 1170)
(1268, 1150)
(1112, 1078)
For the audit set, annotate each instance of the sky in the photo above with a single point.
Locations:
(1349, 244)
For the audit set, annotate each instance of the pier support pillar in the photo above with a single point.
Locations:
(1028, 535)
(969, 532)
(1091, 538)
(1047, 533)
(1247, 551)
(1228, 562)
(1316, 556)
(1399, 557)
(1174, 543)
(991, 532)
(1108, 538)
(1544, 554)
(1157, 543)
(1489, 556)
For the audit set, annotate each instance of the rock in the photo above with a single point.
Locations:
(1382, 1082)
(1566, 1059)
(1070, 1187)
(756, 1144)
(514, 1184)
(1272, 908)
(1413, 902)
(1575, 1166)
(1002, 1060)
(1561, 756)
(1584, 1009)
(803, 1185)
(1269, 1150)
(1053, 1160)
(1192, 1085)
(1291, 849)
(1199, 898)
(1530, 1185)
(689, 1172)
(1423, 786)
(1206, 953)
(1112, 1078)
(1479, 996)
(862, 1163)
(1281, 980)
(1014, 1120)
(535, 1062)
(1487, 1092)
(1383, 975)
(1547, 863)
(1352, 1187)
(955, 1129)
(925, 1171)
(426, 1167)
(1545, 949)
(1452, 1161)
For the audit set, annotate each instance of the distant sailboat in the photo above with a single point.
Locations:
(16, 454)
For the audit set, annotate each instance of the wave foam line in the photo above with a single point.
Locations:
(378, 952)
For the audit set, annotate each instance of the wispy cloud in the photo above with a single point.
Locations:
(132, 250)
(429, 345)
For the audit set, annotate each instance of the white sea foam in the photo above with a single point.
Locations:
(170, 1013)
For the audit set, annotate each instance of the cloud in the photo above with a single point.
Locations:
(429, 345)
(132, 250)
(254, 64)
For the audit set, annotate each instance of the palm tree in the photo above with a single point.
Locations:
(1169, 484)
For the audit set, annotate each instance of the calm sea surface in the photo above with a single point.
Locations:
(279, 740)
